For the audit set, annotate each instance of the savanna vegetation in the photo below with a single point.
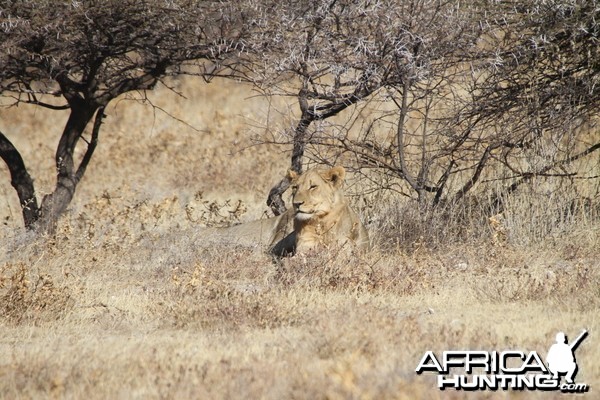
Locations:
(470, 133)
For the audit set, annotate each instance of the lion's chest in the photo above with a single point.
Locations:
(312, 235)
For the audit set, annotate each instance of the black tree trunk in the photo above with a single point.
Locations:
(55, 203)
(21, 181)
(275, 199)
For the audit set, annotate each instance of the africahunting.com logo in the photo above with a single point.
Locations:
(509, 369)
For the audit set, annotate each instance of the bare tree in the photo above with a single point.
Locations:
(435, 94)
(442, 95)
(541, 82)
(88, 53)
(339, 55)
(414, 134)
(325, 54)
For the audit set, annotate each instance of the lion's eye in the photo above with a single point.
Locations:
(313, 187)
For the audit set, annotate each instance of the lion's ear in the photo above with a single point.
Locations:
(336, 175)
(292, 175)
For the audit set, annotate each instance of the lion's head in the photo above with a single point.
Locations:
(317, 192)
(322, 216)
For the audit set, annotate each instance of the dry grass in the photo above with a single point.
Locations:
(127, 302)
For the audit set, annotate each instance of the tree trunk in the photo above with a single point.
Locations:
(55, 203)
(404, 172)
(275, 199)
(21, 181)
(308, 116)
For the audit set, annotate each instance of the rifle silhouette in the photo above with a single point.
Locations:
(573, 345)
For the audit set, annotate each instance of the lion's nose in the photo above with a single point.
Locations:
(297, 204)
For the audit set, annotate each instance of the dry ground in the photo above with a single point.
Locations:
(127, 302)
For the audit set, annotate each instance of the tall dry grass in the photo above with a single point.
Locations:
(128, 301)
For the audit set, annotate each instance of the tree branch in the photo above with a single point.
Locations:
(91, 146)
(400, 139)
(47, 105)
(475, 177)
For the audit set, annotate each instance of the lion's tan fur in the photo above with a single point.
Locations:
(323, 216)
(260, 233)
(320, 217)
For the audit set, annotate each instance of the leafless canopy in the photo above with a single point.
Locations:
(437, 94)
(431, 97)
(88, 53)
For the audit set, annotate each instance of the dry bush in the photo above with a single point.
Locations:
(337, 269)
(257, 293)
(533, 216)
(27, 297)
(406, 225)
(543, 213)
(577, 285)
(260, 292)
(353, 273)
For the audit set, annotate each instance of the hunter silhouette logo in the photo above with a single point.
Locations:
(507, 370)
(561, 356)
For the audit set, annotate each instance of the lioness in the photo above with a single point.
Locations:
(322, 216)
(262, 233)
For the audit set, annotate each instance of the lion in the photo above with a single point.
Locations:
(262, 233)
(322, 216)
